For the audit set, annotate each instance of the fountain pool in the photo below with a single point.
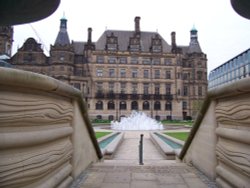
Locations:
(137, 121)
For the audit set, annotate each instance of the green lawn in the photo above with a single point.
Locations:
(177, 122)
(179, 135)
(101, 134)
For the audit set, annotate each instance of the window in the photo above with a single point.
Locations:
(199, 75)
(77, 86)
(111, 73)
(146, 61)
(112, 60)
(157, 74)
(123, 105)
(99, 105)
(167, 61)
(134, 60)
(168, 106)
(111, 105)
(156, 61)
(111, 117)
(134, 73)
(123, 87)
(185, 90)
(157, 89)
(145, 105)
(134, 105)
(111, 87)
(168, 89)
(100, 59)
(123, 73)
(99, 87)
(157, 105)
(99, 72)
(168, 74)
(146, 73)
(145, 88)
(134, 88)
(184, 105)
(123, 60)
(200, 90)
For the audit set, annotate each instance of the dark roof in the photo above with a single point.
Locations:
(194, 47)
(78, 47)
(62, 38)
(123, 40)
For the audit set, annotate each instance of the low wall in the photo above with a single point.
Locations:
(219, 142)
(46, 139)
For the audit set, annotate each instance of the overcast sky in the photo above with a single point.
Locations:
(222, 33)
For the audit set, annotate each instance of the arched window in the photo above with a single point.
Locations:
(98, 117)
(111, 117)
(111, 105)
(168, 106)
(145, 105)
(123, 105)
(99, 105)
(158, 118)
(157, 105)
(134, 105)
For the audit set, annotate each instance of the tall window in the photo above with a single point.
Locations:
(123, 73)
(134, 88)
(111, 73)
(184, 105)
(157, 105)
(199, 75)
(157, 74)
(111, 105)
(146, 88)
(99, 105)
(185, 90)
(123, 105)
(99, 72)
(134, 105)
(168, 89)
(134, 73)
(99, 87)
(146, 73)
(168, 106)
(123, 87)
(157, 89)
(145, 105)
(156, 61)
(111, 87)
(168, 74)
(200, 90)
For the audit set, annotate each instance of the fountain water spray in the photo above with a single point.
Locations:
(137, 121)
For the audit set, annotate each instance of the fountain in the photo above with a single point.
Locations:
(137, 121)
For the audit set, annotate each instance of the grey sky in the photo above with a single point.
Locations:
(222, 33)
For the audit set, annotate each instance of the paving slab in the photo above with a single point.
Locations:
(125, 172)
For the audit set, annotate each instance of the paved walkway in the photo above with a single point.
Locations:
(125, 172)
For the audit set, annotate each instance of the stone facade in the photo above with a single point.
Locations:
(124, 71)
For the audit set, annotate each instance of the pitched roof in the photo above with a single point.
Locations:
(123, 40)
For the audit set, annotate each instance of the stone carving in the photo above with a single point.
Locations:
(35, 135)
(233, 146)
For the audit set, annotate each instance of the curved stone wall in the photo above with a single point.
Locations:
(46, 139)
(219, 144)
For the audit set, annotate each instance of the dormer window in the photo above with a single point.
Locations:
(156, 44)
(112, 42)
(134, 44)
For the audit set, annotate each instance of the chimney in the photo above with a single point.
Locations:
(89, 35)
(137, 24)
(173, 41)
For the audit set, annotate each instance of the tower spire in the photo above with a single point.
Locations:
(194, 45)
(62, 37)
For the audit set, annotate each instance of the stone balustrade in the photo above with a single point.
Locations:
(219, 142)
(46, 139)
